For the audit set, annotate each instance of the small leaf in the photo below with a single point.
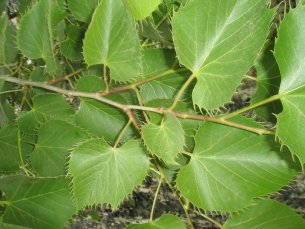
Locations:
(34, 38)
(267, 82)
(36, 202)
(71, 47)
(8, 47)
(165, 140)
(230, 166)
(141, 9)
(290, 55)
(265, 214)
(82, 9)
(112, 40)
(166, 221)
(45, 107)
(103, 174)
(55, 139)
(218, 41)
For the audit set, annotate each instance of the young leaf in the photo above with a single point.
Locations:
(112, 40)
(45, 107)
(166, 140)
(268, 83)
(103, 174)
(82, 9)
(141, 9)
(55, 139)
(219, 41)
(36, 202)
(230, 166)
(97, 118)
(8, 47)
(166, 221)
(265, 214)
(290, 55)
(35, 38)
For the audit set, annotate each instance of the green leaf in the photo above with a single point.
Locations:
(166, 140)
(141, 9)
(11, 226)
(3, 5)
(265, 214)
(55, 139)
(9, 154)
(35, 38)
(219, 41)
(112, 40)
(103, 174)
(110, 120)
(166, 221)
(290, 55)
(36, 202)
(230, 166)
(45, 107)
(160, 62)
(7, 114)
(82, 9)
(71, 47)
(8, 47)
(267, 82)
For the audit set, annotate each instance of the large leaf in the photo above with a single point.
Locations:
(164, 222)
(266, 214)
(9, 154)
(166, 140)
(100, 119)
(267, 83)
(141, 9)
(35, 36)
(55, 139)
(36, 202)
(219, 41)
(8, 47)
(290, 56)
(45, 107)
(112, 40)
(103, 174)
(82, 9)
(230, 166)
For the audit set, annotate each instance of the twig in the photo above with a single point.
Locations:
(128, 108)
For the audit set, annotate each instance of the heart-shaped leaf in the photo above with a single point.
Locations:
(166, 140)
(218, 41)
(230, 166)
(103, 174)
(112, 40)
(290, 55)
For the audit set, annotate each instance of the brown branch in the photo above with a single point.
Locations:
(128, 108)
(66, 77)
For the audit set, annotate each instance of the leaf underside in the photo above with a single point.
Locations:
(112, 40)
(230, 166)
(219, 41)
(290, 56)
(103, 174)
